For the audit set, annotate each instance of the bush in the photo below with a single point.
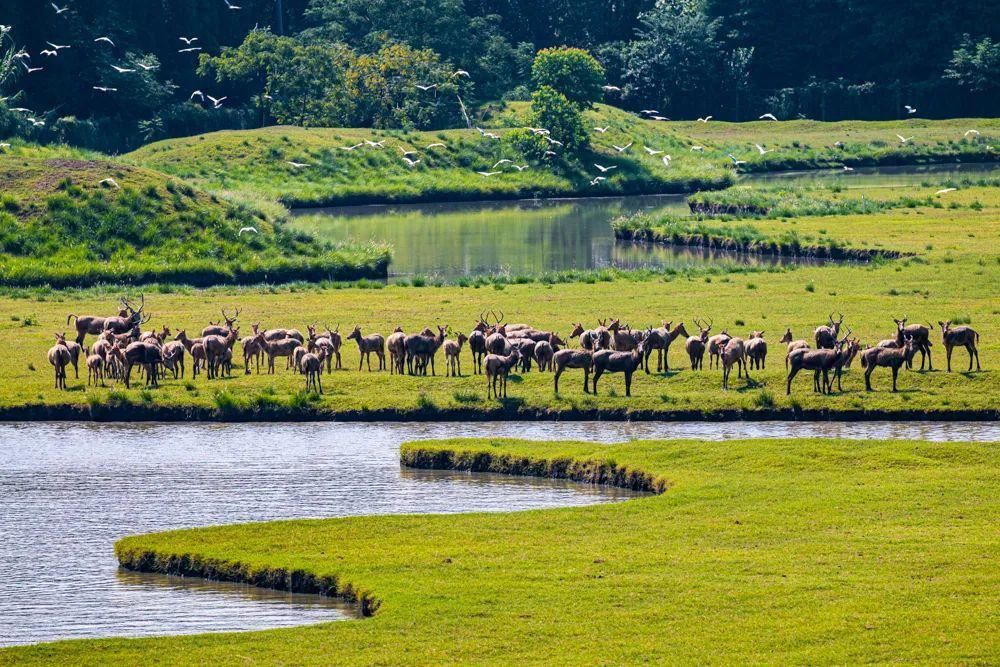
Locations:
(570, 71)
(554, 112)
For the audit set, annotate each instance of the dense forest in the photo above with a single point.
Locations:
(112, 75)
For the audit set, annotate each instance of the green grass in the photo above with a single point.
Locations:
(256, 161)
(762, 551)
(60, 226)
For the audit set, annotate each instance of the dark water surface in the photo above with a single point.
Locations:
(68, 491)
(451, 240)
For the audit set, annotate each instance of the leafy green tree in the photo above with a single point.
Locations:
(311, 88)
(561, 117)
(976, 65)
(248, 65)
(570, 71)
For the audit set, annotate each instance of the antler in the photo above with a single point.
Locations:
(145, 318)
(710, 322)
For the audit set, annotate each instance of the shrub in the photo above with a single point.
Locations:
(570, 71)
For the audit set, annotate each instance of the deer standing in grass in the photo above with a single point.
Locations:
(216, 347)
(59, 357)
(311, 365)
(756, 350)
(218, 329)
(826, 336)
(95, 369)
(145, 355)
(921, 336)
(336, 342)
(660, 340)
(128, 316)
(497, 369)
(716, 344)
(368, 344)
(477, 344)
(283, 347)
(822, 360)
(173, 357)
(421, 348)
(545, 350)
(961, 336)
(888, 357)
(571, 358)
(789, 340)
(453, 355)
(734, 354)
(396, 344)
(695, 345)
(606, 361)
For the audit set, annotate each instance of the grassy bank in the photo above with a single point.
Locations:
(74, 219)
(257, 161)
(953, 274)
(801, 551)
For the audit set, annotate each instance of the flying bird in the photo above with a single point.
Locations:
(48, 52)
(660, 118)
(611, 89)
(59, 10)
(21, 110)
(146, 67)
(490, 135)
(410, 163)
(427, 87)
(903, 139)
(193, 48)
(375, 144)
(651, 151)
(460, 72)
(109, 182)
(910, 109)
(489, 173)
(298, 165)
(520, 167)
(622, 149)
(768, 116)
(604, 169)
(760, 149)
(351, 148)
(666, 160)
(58, 46)
(946, 190)
(30, 68)
(551, 153)
(698, 149)
(975, 132)
(231, 5)
(649, 111)
(705, 119)
(105, 89)
(736, 162)
(406, 152)
(104, 39)
(602, 130)
(122, 70)
(216, 102)
(251, 230)
(188, 40)
(553, 142)
(436, 145)
(500, 162)
(846, 168)
(197, 94)
(597, 180)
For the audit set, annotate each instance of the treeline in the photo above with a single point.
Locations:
(362, 62)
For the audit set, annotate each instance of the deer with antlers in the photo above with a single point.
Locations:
(822, 360)
(496, 339)
(660, 340)
(219, 329)
(888, 357)
(421, 348)
(366, 346)
(961, 336)
(128, 316)
(607, 361)
(695, 345)
(497, 368)
(826, 336)
(59, 357)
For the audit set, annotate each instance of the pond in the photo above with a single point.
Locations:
(451, 240)
(70, 490)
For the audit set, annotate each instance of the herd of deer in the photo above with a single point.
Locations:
(497, 349)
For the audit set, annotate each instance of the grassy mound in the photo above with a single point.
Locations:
(258, 161)
(77, 220)
(786, 551)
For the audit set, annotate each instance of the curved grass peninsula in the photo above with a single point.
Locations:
(749, 551)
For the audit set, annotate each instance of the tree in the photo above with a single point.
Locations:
(572, 72)
(976, 65)
(561, 117)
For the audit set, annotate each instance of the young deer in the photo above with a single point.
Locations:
(734, 354)
(453, 355)
(368, 344)
(497, 369)
(963, 336)
(889, 357)
(606, 361)
(716, 344)
(95, 369)
(59, 357)
(695, 345)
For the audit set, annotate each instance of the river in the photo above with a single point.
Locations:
(70, 490)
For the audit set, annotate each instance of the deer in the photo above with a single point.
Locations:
(543, 355)
(889, 357)
(453, 355)
(756, 348)
(253, 350)
(496, 340)
(477, 344)
(95, 369)
(593, 339)
(421, 348)
(296, 357)
(606, 361)
(826, 335)
(277, 348)
(623, 339)
(396, 344)
(59, 357)
(716, 344)
(146, 355)
(216, 347)
(571, 358)
(734, 354)
(497, 369)
(368, 344)
(75, 351)
(311, 365)
(195, 348)
(789, 340)
(114, 364)
(660, 340)
(126, 318)
(964, 336)
(160, 336)
(921, 336)
(173, 357)
(819, 361)
(280, 334)
(695, 345)
(526, 348)
(218, 329)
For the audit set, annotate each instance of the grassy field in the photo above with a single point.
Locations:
(74, 219)
(257, 161)
(954, 274)
(766, 551)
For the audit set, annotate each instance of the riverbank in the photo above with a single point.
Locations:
(257, 162)
(728, 524)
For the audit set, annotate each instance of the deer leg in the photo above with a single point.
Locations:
(586, 375)
(628, 384)
(555, 380)
(895, 373)
(868, 376)
(947, 352)
(597, 375)
(788, 390)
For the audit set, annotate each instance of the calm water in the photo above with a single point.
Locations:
(69, 490)
(535, 236)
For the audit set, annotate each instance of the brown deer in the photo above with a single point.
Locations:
(95, 369)
(396, 344)
(496, 339)
(126, 318)
(756, 350)
(253, 350)
(695, 345)
(921, 336)
(279, 334)
(716, 344)
(888, 357)
(283, 347)
(623, 339)
(827, 335)
(570, 358)
(368, 344)
(145, 355)
(961, 336)
(822, 360)
(543, 355)
(195, 348)
(477, 343)
(497, 369)
(173, 357)
(216, 347)
(59, 358)
(453, 355)
(789, 340)
(218, 329)
(75, 352)
(606, 361)
(734, 354)
(311, 365)
(661, 340)
(421, 348)
(526, 348)
(151, 336)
